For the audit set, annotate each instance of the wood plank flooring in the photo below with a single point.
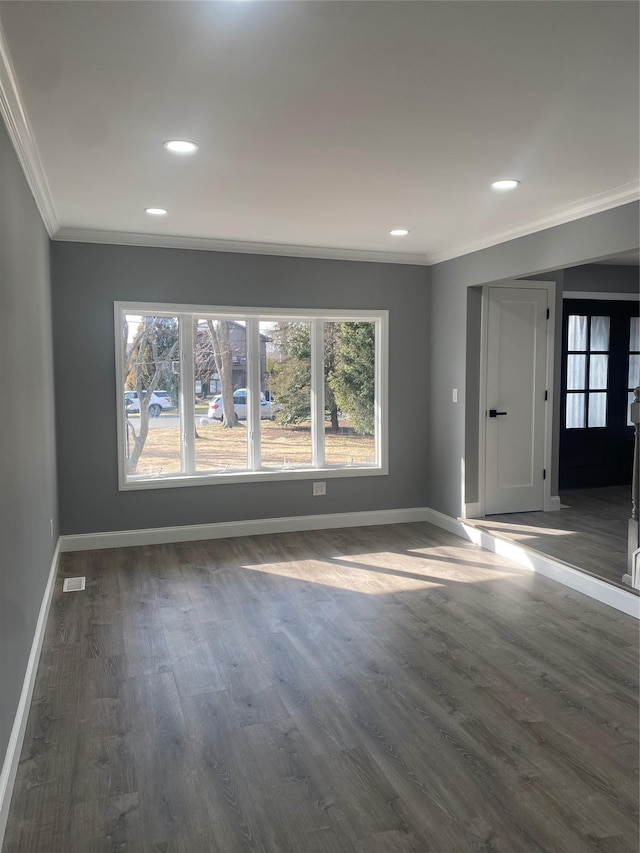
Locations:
(371, 690)
(589, 532)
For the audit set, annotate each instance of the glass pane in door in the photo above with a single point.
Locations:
(630, 399)
(600, 334)
(575, 418)
(576, 365)
(634, 370)
(577, 332)
(598, 365)
(597, 410)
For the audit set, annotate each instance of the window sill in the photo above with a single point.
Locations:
(270, 476)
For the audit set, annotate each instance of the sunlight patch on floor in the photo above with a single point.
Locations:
(367, 572)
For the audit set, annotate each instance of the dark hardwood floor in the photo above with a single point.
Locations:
(589, 532)
(371, 690)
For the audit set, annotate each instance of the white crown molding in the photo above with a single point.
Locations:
(586, 207)
(578, 210)
(15, 118)
(207, 244)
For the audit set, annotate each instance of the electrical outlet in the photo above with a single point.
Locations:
(454, 395)
(319, 489)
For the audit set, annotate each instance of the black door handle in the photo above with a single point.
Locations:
(494, 414)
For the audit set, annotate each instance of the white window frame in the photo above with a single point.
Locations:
(252, 317)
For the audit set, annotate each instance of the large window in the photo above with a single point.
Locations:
(214, 395)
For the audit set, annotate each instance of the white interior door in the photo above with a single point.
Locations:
(515, 399)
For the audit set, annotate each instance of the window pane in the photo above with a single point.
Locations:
(634, 335)
(285, 377)
(220, 362)
(152, 420)
(630, 399)
(576, 372)
(599, 334)
(597, 410)
(634, 371)
(349, 354)
(575, 411)
(577, 332)
(598, 371)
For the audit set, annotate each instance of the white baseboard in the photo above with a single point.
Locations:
(476, 510)
(226, 529)
(553, 504)
(16, 738)
(473, 510)
(453, 525)
(605, 593)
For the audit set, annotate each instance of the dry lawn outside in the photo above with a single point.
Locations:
(220, 449)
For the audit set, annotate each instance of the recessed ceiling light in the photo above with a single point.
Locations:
(180, 146)
(399, 232)
(509, 184)
(156, 211)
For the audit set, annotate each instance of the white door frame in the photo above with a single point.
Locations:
(477, 509)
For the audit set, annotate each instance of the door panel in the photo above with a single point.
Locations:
(598, 368)
(516, 371)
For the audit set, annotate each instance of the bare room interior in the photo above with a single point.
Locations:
(320, 334)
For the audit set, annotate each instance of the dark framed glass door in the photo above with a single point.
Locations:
(600, 364)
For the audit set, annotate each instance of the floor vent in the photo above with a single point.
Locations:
(73, 585)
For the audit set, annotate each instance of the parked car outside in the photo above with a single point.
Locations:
(268, 408)
(160, 402)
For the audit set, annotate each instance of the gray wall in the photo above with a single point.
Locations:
(89, 278)
(471, 398)
(602, 278)
(594, 237)
(27, 442)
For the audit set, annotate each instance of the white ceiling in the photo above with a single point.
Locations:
(322, 125)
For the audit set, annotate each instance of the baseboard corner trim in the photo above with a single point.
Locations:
(554, 503)
(228, 529)
(473, 510)
(16, 738)
(447, 522)
(599, 590)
